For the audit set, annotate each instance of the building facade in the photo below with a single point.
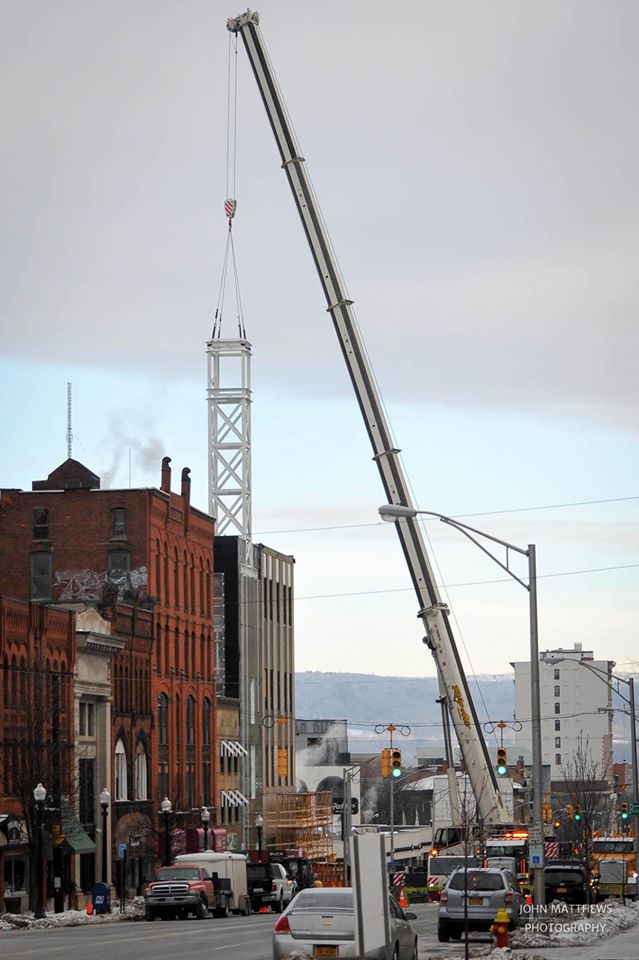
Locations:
(576, 707)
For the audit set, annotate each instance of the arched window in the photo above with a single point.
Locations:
(40, 524)
(190, 721)
(206, 722)
(185, 573)
(163, 719)
(118, 522)
(176, 578)
(121, 778)
(141, 784)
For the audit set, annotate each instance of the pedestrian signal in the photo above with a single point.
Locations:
(386, 762)
(396, 762)
(502, 761)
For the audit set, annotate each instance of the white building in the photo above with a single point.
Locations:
(575, 702)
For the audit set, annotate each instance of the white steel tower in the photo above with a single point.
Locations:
(229, 420)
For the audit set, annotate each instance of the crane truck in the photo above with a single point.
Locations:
(434, 614)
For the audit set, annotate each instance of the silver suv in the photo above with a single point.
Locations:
(484, 890)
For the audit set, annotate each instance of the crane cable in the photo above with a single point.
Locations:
(230, 204)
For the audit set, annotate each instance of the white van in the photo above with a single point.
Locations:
(228, 872)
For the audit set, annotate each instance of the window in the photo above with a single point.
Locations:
(206, 722)
(558, 759)
(557, 673)
(40, 524)
(190, 721)
(87, 719)
(86, 774)
(119, 563)
(40, 576)
(557, 691)
(121, 779)
(557, 725)
(163, 719)
(557, 708)
(557, 742)
(118, 522)
(141, 788)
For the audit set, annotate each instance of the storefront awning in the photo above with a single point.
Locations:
(76, 839)
(231, 748)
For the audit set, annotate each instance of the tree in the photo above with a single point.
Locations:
(587, 793)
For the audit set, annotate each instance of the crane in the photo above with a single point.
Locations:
(432, 611)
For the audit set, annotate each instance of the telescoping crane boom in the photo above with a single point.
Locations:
(434, 614)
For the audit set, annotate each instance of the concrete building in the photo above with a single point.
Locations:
(575, 707)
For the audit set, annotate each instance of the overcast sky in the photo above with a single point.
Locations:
(477, 168)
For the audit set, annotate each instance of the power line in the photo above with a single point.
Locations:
(455, 516)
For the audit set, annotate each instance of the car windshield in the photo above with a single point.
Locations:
(564, 876)
(178, 873)
(323, 899)
(476, 880)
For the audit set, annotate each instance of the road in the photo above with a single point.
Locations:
(237, 938)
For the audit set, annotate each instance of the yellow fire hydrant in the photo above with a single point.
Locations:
(499, 928)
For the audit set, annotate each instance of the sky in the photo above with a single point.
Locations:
(476, 165)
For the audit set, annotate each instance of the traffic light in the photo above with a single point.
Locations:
(282, 762)
(386, 762)
(396, 762)
(624, 811)
(577, 812)
(556, 823)
(570, 810)
(502, 761)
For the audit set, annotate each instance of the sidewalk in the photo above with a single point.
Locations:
(622, 946)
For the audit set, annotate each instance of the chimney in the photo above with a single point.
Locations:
(186, 496)
(166, 475)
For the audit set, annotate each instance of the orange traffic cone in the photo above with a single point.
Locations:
(89, 909)
(264, 909)
(403, 899)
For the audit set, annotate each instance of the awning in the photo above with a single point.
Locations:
(231, 748)
(76, 839)
(233, 798)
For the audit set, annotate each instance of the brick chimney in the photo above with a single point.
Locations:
(166, 475)
(186, 496)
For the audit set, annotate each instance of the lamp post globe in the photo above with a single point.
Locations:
(39, 795)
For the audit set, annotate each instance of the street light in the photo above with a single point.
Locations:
(105, 800)
(396, 512)
(166, 806)
(205, 816)
(39, 795)
(259, 828)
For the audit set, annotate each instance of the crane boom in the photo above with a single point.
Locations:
(433, 613)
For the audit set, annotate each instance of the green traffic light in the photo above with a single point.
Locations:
(577, 816)
(397, 773)
(501, 770)
(624, 815)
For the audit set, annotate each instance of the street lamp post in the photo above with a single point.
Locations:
(259, 828)
(39, 795)
(105, 800)
(166, 806)
(396, 512)
(205, 816)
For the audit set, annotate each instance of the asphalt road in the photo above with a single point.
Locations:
(236, 938)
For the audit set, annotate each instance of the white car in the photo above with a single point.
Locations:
(269, 885)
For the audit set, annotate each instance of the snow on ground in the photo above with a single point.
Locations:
(72, 918)
(570, 925)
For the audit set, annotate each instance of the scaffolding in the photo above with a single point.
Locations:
(304, 821)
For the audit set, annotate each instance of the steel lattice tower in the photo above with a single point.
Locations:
(229, 425)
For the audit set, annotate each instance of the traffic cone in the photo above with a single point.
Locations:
(89, 909)
(264, 909)
(403, 899)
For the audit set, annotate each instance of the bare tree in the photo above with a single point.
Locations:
(587, 794)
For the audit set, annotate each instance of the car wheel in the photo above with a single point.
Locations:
(396, 952)
(415, 954)
(149, 914)
(455, 934)
(443, 934)
(279, 906)
(202, 910)
(247, 908)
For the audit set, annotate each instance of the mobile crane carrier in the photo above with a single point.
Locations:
(432, 611)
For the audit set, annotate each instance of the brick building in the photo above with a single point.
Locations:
(144, 559)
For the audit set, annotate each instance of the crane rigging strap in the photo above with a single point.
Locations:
(230, 204)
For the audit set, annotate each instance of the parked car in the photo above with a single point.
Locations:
(269, 885)
(566, 880)
(320, 922)
(484, 890)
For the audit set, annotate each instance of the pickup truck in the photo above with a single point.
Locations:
(269, 885)
(185, 889)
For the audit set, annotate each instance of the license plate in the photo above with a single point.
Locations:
(475, 901)
(324, 951)
(562, 889)
(258, 889)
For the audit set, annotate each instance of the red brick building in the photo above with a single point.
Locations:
(144, 559)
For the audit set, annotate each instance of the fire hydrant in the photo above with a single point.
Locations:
(499, 928)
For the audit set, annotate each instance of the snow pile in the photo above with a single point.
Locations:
(71, 918)
(569, 925)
